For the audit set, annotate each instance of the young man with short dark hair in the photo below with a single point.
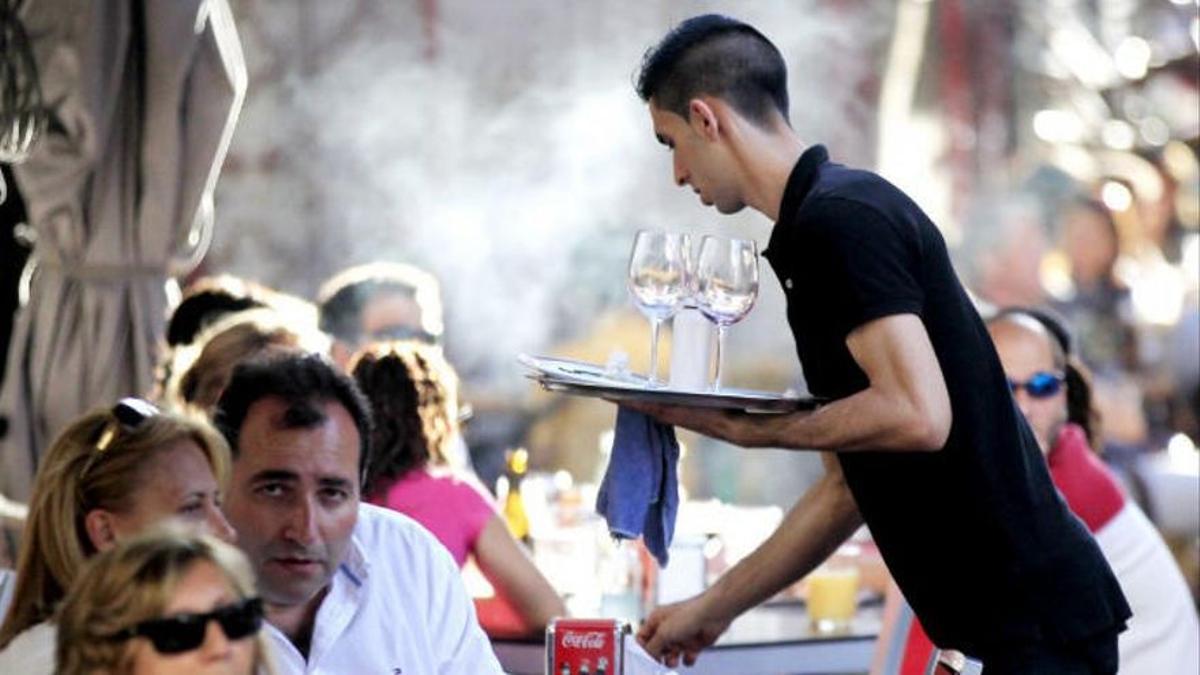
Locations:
(922, 440)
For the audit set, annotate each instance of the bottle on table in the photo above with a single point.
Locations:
(516, 465)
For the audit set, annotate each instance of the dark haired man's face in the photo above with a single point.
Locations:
(294, 494)
(697, 161)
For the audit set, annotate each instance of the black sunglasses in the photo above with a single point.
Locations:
(1039, 385)
(127, 414)
(185, 632)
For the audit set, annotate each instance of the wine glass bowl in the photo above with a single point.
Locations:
(725, 304)
(658, 282)
(656, 291)
(727, 285)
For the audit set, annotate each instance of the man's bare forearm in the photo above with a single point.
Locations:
(868, 420)
(823, 518)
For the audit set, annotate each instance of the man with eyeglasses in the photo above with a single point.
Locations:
(376, 302)
(348, 587)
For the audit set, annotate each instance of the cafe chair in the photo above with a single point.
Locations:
(950, 662)
(902, 647)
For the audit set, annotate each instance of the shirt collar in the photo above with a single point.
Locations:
(799, 184)
(355, 564)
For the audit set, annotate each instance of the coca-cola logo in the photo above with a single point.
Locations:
(590, 640)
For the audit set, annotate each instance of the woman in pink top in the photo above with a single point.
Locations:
(1052, 390)
(413, 395)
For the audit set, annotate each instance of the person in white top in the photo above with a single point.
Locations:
(348, 588)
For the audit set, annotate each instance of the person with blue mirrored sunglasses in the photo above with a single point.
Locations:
(1052, 389)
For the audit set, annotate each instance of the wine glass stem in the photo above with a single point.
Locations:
(654, 323)
(720, 355)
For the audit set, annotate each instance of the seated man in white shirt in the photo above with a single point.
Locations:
(349, 587)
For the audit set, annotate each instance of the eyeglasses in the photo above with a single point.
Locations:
(127, 414)
(1039, 385)
(401, 332)
(185, 632)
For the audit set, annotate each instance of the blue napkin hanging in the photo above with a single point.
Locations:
(640, 491)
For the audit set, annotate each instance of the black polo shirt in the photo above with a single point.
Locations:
(978, 539)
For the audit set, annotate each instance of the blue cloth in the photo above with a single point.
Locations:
(640, 491)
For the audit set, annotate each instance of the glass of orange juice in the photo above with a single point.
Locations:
(832, 597)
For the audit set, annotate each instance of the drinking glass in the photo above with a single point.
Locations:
(727, 286)
(658, 282)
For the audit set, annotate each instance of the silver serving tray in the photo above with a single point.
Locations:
(580, 378)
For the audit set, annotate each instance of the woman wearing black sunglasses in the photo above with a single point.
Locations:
(109, 475)
(166, 602)
(1051, 388)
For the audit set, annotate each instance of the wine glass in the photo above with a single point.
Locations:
(658, 282)
(727, 285)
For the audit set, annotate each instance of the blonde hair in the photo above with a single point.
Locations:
(73, 479)
(203, 370)
(134, 582)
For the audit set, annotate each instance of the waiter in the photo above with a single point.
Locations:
(923, 442)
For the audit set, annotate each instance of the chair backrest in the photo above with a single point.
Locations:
(950, 662)
(902, 647)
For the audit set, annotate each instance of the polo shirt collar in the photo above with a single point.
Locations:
(800, 183)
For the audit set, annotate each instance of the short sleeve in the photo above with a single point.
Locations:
(475, 508)
(870, 264)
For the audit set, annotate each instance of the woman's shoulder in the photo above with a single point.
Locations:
(465, 486)
(32, 651)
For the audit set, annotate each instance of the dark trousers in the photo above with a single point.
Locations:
(1094, 656)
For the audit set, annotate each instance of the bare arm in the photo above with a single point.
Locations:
(905, 407)
(513, 574)
(823, 518)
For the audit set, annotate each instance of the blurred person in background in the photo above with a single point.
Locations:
(1002, 250)
(1051, 387)
(376, 302)
(1100, 310)
(202, 369)
(209, 299)
(413, 396)
(382, 301)
(163, 603)
(108, 476)
(1099, 306)
(921, 437)
(348, 587)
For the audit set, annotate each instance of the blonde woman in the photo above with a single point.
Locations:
(165, 602)
(109, 475)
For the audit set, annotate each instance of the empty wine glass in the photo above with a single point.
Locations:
(727, 286)
(658, 282)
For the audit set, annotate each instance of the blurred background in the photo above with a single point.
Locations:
(501, 147)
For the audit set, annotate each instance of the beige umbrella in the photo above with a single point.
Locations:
(143, 96)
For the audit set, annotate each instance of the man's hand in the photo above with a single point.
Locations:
(747, 430)
(681, 629)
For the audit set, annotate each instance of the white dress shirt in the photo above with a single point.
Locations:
(396, 606)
